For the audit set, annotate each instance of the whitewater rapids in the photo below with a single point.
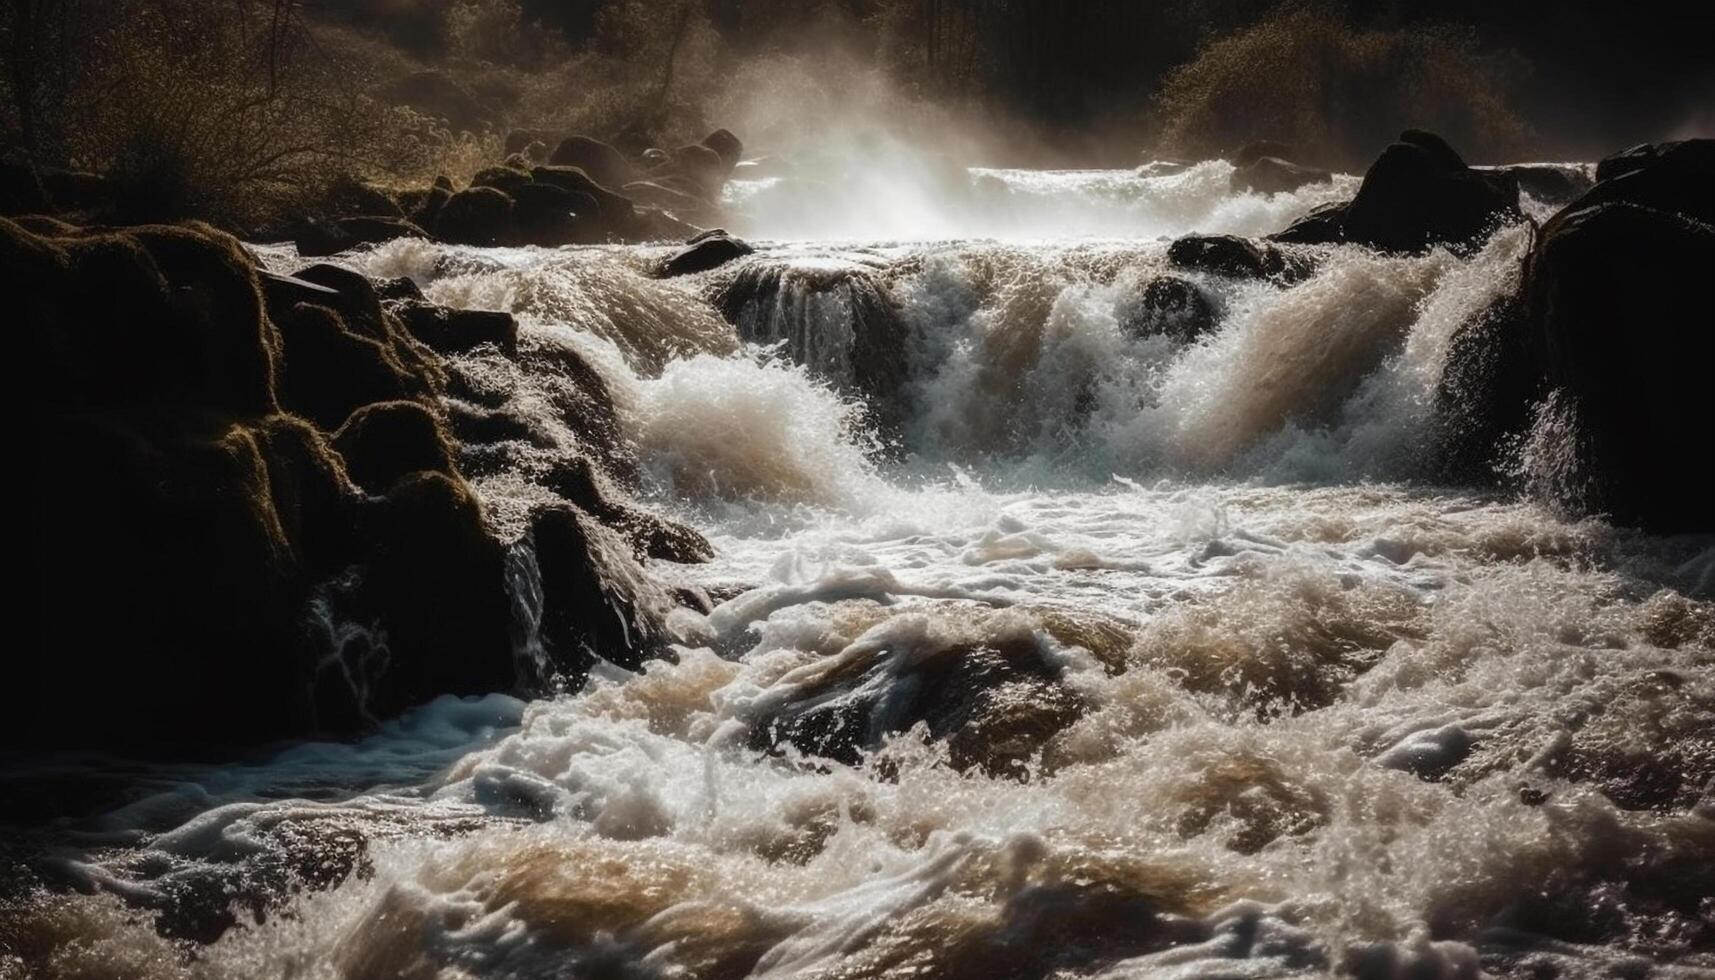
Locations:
(1254, 696)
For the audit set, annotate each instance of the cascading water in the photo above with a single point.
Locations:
(1051, 645)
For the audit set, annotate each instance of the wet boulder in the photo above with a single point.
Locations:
(1418, 194)
(576, 479)
(1671, 177)
(703, 253)
(994, 696)
(437, 580)
(1599, 355)
(1234, 258)
(476, 216)
(1612, 287)
(316, 239)
(1166, 306)
(386, 442)
(1272, 175)
(599, 160)
(728, 147)
(1547, 182)
(504, 178)
(595, 599)
(548, 214)
(453, 331)
(1256, 150)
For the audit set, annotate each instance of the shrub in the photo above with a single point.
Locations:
(1339, 93)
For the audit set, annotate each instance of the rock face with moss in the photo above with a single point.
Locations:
(249, 516)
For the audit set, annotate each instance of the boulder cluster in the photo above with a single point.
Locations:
(251, 511)
(583, 192)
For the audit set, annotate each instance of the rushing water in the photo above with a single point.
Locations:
(1040, 648)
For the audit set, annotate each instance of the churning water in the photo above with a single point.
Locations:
(1042, 645)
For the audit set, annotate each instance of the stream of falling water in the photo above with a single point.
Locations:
(1041, 647)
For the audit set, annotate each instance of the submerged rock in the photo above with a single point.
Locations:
(1166, 306)
(1234, 257)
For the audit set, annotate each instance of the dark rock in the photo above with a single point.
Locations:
(397, 289)
(1675, 177)
(386, 442)
(1645, 156)
(1272, 175)
(1324, 225)
(616, 209)
(703, 166)
(1547, 182)
(318, 239)
(590, 603)
(1614, 287)
(1491, 377)
(599, 160)
(453, 331)
(1167, 306)
(426, 212)
(995, 703)
(578, 480)
(1602, 341)
(548, 214)
(729, 147)
(435, 563)
(476, 216)
(1419, 194)
(1437, 149)
(709, 253)
(1228, 255)
(1257, 149)
(503, 178)
(332, 371)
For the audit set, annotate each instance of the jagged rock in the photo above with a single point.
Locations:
(476, 216)
(577, 480)
(709, 252)
(1272, 175)
(1167, 306)
(599, 160)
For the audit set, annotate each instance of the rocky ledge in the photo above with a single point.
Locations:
(251, 516)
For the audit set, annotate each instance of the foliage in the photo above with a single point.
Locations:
(1336, 93)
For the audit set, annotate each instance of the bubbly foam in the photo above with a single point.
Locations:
(1133, 658)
